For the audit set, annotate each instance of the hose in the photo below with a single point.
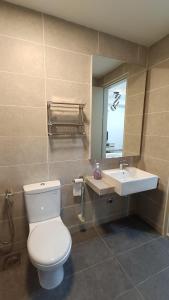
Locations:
(9, 204)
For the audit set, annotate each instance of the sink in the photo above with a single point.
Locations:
(130, 180)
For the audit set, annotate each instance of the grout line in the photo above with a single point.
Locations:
(152, 276)
(88, 268)
(22, 165)
(20, 39)
(68, 50)
(156, 89)
(45, 93)
(41, 77)
(156, 112)
(158, 63)
(152, 157)
(23, 106)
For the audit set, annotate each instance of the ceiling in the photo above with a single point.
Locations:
(103, 65)
(140, 21)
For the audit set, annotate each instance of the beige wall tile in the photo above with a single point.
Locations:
(133, 124)
(67, 195)
(18, 207)
(67, 90)
(21, 57)
(157, 100)
(21, 90)
(20, 121)
(117, 48)
(132, 144)
(156, 146)
(134, 104)
(158, 76)
(66, 35)
(159, 51)
(155, 166)
(136, 84)
(66, 171)
(20, 22)
(21, 229)
(67, 65)
(68, 148)
(13, 178)
(22, 150)
(155, 124)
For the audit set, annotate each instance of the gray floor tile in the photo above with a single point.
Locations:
(85, 255)
(157, 287)
(102, 282)
(130, 295)
(129, 237)
(142, 262)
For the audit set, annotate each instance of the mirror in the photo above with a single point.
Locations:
(118, 91)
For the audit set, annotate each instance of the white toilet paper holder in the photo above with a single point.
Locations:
(81, 214)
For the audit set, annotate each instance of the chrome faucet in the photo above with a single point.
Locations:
(123, 164)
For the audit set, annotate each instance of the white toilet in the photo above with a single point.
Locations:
(49, 241)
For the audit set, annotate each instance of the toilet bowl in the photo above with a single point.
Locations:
(49, 241)
(49, 245)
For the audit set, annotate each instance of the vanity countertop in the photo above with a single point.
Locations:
(101, 187)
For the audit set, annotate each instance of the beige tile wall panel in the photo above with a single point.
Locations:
(21, 90)
(68, 170)
(66, 35)
(20, 22)
(14, 177)
(21, 57)
(66, 65)
(158, 76)
(117, 48)
(18, 208)
(136, 84)
(132, 144)
(156, 146)
(157, 100)
(155, 124)
(21, 121)
(137, 121)
(159, 51)
(135, 104)
(21, 229)
(22, 150)
(61, 149)
(67, 91)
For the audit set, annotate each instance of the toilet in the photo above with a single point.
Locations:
(49, 241)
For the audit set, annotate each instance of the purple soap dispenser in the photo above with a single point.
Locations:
(97, 172)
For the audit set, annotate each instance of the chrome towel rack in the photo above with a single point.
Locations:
(65, 119)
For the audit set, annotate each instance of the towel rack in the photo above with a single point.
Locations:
(59, 115)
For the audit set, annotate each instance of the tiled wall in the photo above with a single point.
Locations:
(42, 57)
(152, 205)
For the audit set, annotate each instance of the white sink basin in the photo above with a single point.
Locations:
(130, 180)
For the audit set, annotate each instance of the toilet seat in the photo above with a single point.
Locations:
(49, 243)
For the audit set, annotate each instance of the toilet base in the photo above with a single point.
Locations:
(51, 279)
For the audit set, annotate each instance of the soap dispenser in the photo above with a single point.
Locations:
(97, 172)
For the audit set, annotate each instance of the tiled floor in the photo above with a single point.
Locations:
(122, 260)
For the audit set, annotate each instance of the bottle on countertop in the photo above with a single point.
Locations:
(97, 174)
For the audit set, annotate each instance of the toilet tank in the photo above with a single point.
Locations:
(43, 200)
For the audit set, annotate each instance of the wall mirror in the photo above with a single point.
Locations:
(118, 91)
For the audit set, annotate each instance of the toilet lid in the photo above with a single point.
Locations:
(49, 242)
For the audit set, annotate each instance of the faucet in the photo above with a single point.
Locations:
(123, 164)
